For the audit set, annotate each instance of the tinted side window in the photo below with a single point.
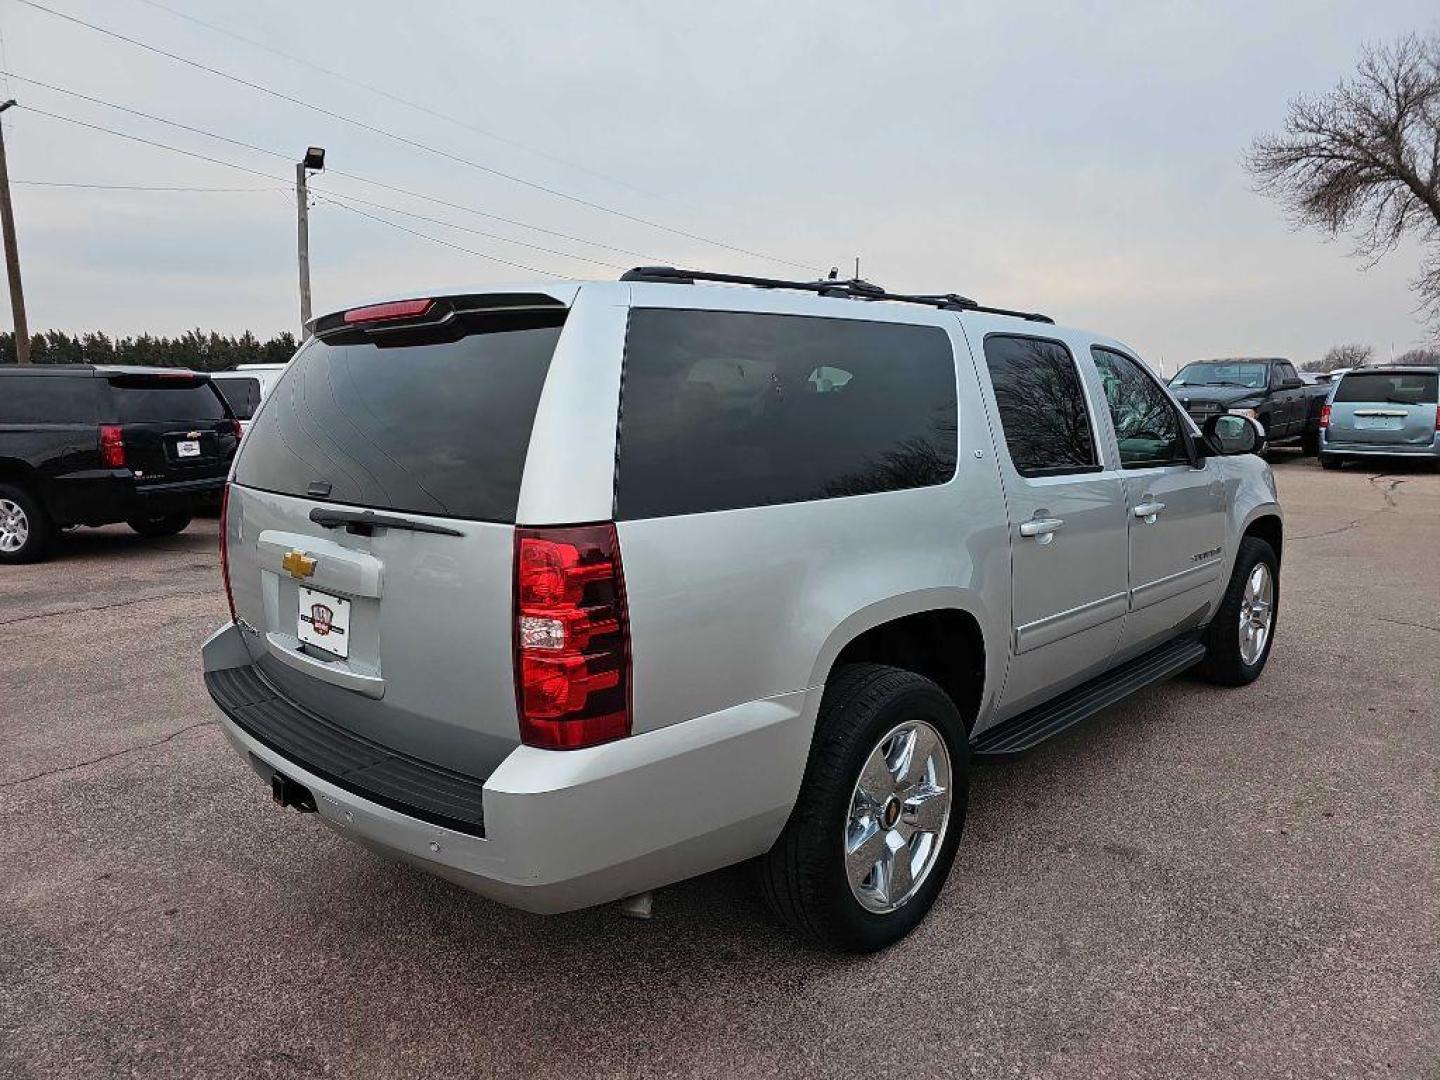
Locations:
(243, 396)
(722, 410)
(1146, 424)
(1042, 407)
(1284, 372)
(48, 399)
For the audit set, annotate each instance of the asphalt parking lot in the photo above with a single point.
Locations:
(1199, 883)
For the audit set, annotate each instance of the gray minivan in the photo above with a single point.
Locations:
(1382, 412)
(568, 591)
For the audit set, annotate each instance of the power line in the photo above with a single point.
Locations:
(437, 240)
(311, 65)
(278, 180)
(138, 187)
(413, 143)
(651, 259)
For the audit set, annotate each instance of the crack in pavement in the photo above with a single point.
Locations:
(105, 607)
(1407, 622)
(1387, 493)
(106, 757)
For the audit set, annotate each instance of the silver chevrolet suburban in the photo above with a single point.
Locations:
(566, 592)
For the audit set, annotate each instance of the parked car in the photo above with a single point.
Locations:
(88, 445)
(246, 386)
(1390, 411)
(566, 592)
(1269, 390)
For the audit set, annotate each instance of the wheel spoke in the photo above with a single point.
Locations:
(925, 808)
(876, 781)
(900, 876)
(902, 753)
(864, 847)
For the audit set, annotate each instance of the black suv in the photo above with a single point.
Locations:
(87, 445)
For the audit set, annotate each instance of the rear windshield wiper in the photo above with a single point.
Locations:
(362, 521)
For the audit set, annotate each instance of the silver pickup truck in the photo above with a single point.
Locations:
(566, 592)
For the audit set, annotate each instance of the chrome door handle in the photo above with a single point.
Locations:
(1040, 526)
(1147, 511)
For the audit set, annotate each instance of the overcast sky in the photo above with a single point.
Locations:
(1079, 159)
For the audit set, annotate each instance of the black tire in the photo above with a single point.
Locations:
(803, 877)
(34, 523)
(162, 525)
(1330, 461)
(1310, 443)
(1224, 663)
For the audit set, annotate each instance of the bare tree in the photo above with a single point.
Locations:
(1364, 159)
(1341, 356)
(1422, 357)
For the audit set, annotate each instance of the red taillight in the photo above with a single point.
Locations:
(572, 637)
(1325, 417)
(239, 428)
(1437, 417)
(112, 446)
(400, 309)
(225, 548)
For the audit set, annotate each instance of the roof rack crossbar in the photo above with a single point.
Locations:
(848, 288)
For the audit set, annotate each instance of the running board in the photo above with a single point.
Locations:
(1035, 726)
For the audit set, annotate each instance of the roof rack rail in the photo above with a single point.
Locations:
(851, 288)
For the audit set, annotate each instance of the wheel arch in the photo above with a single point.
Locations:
(1265, 523)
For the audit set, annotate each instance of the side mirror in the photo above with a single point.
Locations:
(1230, 434)
(1291, 384)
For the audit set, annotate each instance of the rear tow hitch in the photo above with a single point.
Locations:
(287, 792)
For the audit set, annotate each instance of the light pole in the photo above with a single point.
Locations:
(314, 161)
(12, 254)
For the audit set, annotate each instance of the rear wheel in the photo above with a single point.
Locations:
(874, 831)
(1330, 461)
(1243, 630)
(25, 531)
(1310, 443)
(160, 525)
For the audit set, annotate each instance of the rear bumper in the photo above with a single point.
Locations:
(101, 497)
(1377, 449)
(562, 830)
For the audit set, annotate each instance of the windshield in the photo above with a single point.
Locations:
(1217, 373)
(1398, 388)
(434, 422)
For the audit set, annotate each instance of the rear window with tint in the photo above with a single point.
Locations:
(160, 400)
(48, 399)
(721, 410)
(1398, 388)
(243, 395)
(415, 421)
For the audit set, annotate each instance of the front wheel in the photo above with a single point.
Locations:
(160, 525)
(873, 833)
(1243, 630)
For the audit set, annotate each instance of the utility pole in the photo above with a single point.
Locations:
(314, 160)
(12, 254)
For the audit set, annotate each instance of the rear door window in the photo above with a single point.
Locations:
(1395, 387)
(243, 395)
(722, 410)
(1042, 406)
(148, 399)
(48, 399)
(435, 422)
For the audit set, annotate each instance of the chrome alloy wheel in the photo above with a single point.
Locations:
(899, 811)
(14, 526)
(1257, 611)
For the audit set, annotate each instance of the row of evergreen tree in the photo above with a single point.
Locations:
(193, 349)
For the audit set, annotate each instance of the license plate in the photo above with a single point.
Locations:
(324, 621)
(1378, 423)
(187, 448)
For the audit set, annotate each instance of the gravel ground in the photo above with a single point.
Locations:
(1198, 883)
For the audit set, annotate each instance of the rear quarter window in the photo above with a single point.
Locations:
(724, 410)
(243, 395)
(48, 399)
